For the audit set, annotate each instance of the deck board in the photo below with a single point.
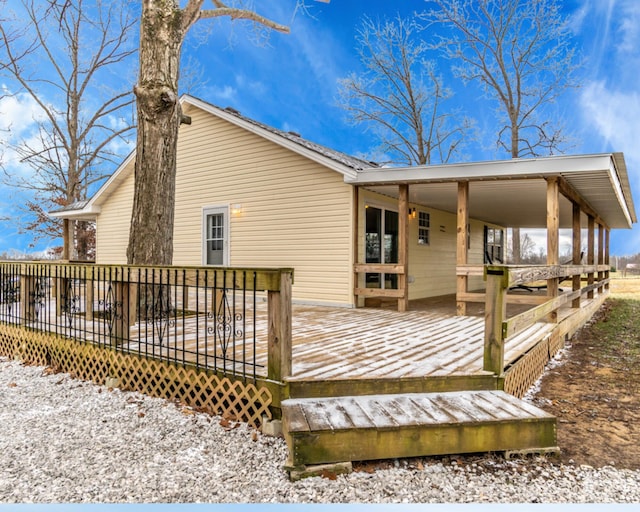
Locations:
(389, 411)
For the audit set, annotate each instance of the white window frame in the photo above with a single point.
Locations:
(216, 210)
(424, 229)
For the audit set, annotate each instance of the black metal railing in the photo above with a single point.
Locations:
(213, 318)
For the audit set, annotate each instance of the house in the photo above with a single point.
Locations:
(347, 384)
(251, 195)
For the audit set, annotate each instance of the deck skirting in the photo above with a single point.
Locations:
(522, 373)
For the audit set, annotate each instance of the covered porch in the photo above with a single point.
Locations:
(576, 200)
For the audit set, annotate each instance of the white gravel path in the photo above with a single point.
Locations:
(64, 440)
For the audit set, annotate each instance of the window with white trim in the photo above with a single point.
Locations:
(493, 245)
(424, 224)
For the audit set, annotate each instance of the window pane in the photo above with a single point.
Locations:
(215, 239)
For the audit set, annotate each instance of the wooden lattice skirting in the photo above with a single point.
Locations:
(522, 374)
(197, 388)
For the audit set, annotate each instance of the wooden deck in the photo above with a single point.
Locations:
(339, 344)
(374, 383)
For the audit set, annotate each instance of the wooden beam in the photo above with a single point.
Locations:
(379, 292)
(470, 270)
(572, 195)
(607, 259)
(403, 245)
(462, 244)
(601, 229)
(577, 249)
(511, 298)
(379, 268)
(553, 236)
(590, 251)
(524, 320)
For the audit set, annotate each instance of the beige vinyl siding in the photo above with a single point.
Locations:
(295, 213)
(113, 224)
(432, 268)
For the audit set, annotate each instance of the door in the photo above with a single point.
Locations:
(215, 242)
(381, 245)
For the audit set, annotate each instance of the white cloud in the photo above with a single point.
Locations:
(614, 114)
(18, 112)
(226, 92)
(629, 27)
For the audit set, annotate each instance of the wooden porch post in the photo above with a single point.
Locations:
(577, 240)
(462, 244)
(279, 335)
(600, 257)
(590, 252)
(403, 249)
(607, 255)
(355, 246)
(553, 234)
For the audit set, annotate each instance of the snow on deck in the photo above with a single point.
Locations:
(412, 409)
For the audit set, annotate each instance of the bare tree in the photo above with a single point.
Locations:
(163, 27)
(63, 55)
(521, 53)
(400, 95)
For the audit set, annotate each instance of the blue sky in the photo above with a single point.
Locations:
(291, 82)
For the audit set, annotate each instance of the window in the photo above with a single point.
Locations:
(424, 222)
(215, 239)
(493, 245)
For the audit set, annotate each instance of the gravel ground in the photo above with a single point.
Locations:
(64, 440)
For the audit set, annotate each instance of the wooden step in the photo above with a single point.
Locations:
(354, 428)
(306, 388)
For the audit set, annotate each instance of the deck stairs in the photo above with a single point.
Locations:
(325, 430)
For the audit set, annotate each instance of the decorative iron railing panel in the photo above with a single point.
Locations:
(212, 318)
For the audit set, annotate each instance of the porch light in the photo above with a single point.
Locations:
(236, 209)
(412, 213)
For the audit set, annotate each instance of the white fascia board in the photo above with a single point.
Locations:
(93, 206)
(116, 178)
(346, 171)
(617, 190)
(86, 213)
(500, 169)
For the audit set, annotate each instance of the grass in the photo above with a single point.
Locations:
(618, 333)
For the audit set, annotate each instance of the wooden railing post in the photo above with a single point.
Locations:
(279, 337)
(497, 279)
(27, 296)
(590, 253)
(122, 311)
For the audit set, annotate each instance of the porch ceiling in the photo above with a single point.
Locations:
(515, 203)
(513, 193)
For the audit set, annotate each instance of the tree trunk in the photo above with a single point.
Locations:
(66, 239)
(151, 234)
